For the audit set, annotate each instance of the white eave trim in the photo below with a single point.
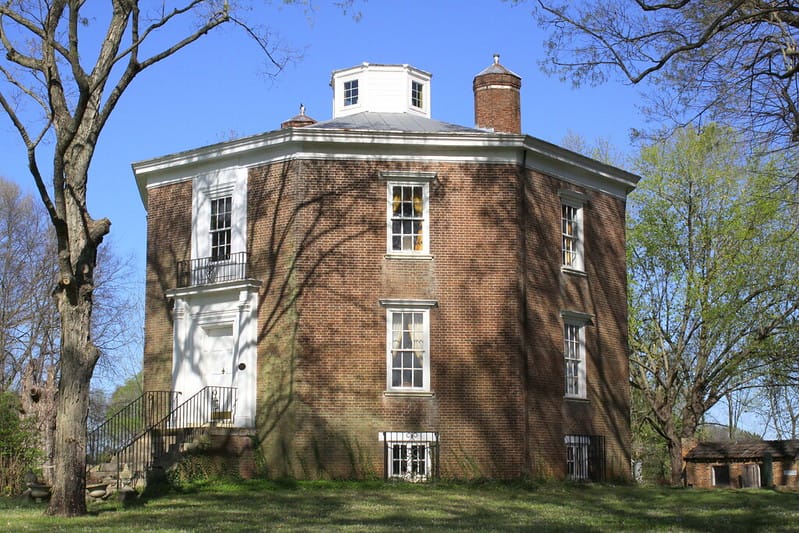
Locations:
(214, 288)
(572, 167)
(407, 303)
(457, 147)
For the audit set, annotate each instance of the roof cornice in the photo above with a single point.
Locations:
(310, 143)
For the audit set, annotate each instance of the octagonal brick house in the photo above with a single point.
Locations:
(385, 294)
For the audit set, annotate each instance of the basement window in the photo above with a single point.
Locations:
(410, 456)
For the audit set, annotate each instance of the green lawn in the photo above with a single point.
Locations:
(376, 506)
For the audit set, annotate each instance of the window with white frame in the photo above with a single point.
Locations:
(417, 94)
(574, 358)
(221, 226)
(408, 353)
(350, 92)
(408, 217)
(572, 235)
(574, 352)
(410, 456)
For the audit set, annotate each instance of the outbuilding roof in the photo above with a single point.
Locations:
(778, 449)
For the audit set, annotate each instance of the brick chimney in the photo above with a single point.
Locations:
(496, 99)
(298, 121)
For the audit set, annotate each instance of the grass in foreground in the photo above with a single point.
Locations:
(376, 506)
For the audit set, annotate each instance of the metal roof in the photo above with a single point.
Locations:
(405, 122)
(496, 68)
(706, 451)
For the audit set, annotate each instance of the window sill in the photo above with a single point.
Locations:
(408, 394)
(410, 257)
(573, 271)
(576, 399)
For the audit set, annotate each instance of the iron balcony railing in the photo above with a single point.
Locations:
(207, 270)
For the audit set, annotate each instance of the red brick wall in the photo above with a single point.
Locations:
(497, 102)
(601, 293)
(168, 241)
(322, 359)
(700, 474)
(317, 243)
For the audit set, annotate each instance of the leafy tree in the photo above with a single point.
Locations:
(126, 393)
(713, 277)
(736, 62)
(52, 60)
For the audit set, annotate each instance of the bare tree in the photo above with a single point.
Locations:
(51, 62)
(733, 62)
(30, 325)
(27, 273)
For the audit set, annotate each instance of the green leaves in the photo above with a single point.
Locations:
(712, 257)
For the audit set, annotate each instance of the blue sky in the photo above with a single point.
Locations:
(216, 90)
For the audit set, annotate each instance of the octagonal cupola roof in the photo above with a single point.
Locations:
(382, 89)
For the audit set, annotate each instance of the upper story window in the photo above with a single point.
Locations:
(574, 355)
(570, 225)
(408, 353)
(221, 227)
(417, 94)
(408, 213)
(408, 217)
(350, 92)
(571, 221)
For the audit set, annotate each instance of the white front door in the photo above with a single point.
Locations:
(215, 346)
(217, 366)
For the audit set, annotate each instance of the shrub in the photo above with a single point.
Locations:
(19, 450)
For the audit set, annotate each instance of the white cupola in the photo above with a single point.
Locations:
(382, 89)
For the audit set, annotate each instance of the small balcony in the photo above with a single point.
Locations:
(209, 270)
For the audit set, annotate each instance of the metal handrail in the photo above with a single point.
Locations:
(129, 421)
(169, 428)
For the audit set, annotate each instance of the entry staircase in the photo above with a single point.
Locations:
(152, 432)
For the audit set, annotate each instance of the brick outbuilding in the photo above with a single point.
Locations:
(743, 464)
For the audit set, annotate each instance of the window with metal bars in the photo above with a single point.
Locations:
(585, 457)
(410, 456)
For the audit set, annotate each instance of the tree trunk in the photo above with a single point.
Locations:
(675, 462)
(78, 357)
